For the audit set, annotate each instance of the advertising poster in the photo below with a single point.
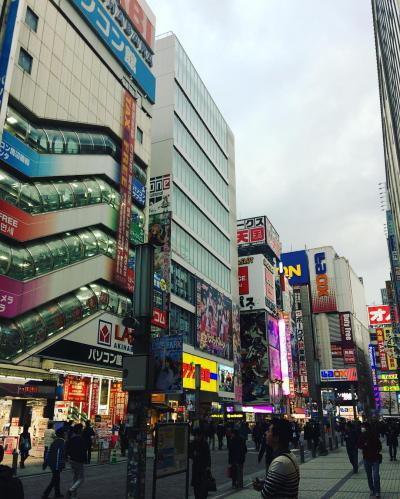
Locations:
(214, 321)
(322, 279)
(389, 348)
(273, 332)
(171, 453)
(160, 237)
(336, 350)
(225, 378)
(167, 356)
(94, 401)
(275, 364)
(283, 357)
(300, 342)
(256, 284)
(295, 267)
(255, 364)
(76, 389)
(123, 274)
(346, 332)
(237, 353)
(288, 337)
(208, 373)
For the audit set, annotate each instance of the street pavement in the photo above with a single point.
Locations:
(330, 476)
(322, 477)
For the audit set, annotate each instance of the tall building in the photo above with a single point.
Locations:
(386, 19)
(77, 88)
(193, 217)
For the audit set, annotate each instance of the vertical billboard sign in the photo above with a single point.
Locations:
(275, 370)
(124, 275)
(288, 333)
(167, 355)
(214, 321)
(371, 350)
(255, 365)
(379, 315)
(295, 267)
(256, 284)
(160, 237)
(389, 348)
(7, 51)
(273, 239)
(300, 342)
(237, 353)
(346, 332)
(322, 279)
(381, 348)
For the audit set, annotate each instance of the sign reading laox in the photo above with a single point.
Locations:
(339, 374)
(323, 285)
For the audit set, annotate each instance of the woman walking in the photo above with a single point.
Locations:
(371, 448)
(25, 445)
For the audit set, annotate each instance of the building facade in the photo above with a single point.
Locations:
(193, 205)
(76, 104)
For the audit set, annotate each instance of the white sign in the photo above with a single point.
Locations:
(256, 284)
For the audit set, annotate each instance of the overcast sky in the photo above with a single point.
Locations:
(296, 81)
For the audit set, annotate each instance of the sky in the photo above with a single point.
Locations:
(296, 80)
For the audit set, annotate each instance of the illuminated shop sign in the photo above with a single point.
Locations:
(111, 30)
(208, 373)
(339, 374)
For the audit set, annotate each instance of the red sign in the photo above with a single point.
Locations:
(94, 401)
(381, 349)
(349, 355)
(139, 20)
(75, 389)
(159, 318)
(379, 315)
(336, 349)
(243, 273)
(124, 275)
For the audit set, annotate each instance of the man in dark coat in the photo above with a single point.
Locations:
(237, 456)
(88, 435)
(56, 461)
(199, 452)
(392, 441)
(351, 437)
(76, 451)
(220, 434)
(10, 487)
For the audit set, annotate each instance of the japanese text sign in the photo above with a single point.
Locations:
(208, 373)
(379, 315)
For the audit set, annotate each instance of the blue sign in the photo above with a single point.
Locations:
(371, 350)
(139, 193)
(295, 266)
(6, 47)
(115, 40)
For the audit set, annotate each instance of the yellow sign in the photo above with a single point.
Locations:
(388, 376)
(391, 359)
(208, 373)
(394, 388)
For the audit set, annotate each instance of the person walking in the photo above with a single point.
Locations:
(24, 446)
(257, 435)
(49, 436)
(123, 440)
(76, 451)
(199, 452)
(265, 449)
(211, 434)
(392, 441)
(56, 461)
(351, 437)
(371, 447)
(220, 434)
(10, 487)
(283, 475)
(308, 434)
(88, 436)
(237, 456)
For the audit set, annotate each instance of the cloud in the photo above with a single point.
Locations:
(297, 83)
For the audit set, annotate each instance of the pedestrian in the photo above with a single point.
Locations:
(199, 452)
(237, 456)
(10, 487)
(123, 440)
(25, 445)
(88, 436)
(220, 434)
(56, 461)
(316, 433)
(392, 441)
(351, 437)
(283, 475)
(295, 434)
(49, 436)
(371, 447)
(265, 449)
(244, 430)
(211, 434)
(308, 434)
(76, 451)
(257, 436)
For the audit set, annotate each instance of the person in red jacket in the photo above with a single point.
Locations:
(371, 448)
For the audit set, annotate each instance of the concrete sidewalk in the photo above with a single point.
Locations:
(331, 476)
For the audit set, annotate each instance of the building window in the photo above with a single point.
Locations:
(25, 60)
(183, 283)
(139, 135)
(182, 322)
(31, 19)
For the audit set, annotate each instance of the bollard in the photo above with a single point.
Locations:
(14, 462)
(301, 453)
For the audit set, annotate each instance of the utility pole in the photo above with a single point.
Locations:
(138, 371)
(198, 389)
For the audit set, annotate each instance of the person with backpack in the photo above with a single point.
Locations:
(10, 487)
(76, 452)
(237, 456)
(24, 446)
(283, 475)
(56, 461)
